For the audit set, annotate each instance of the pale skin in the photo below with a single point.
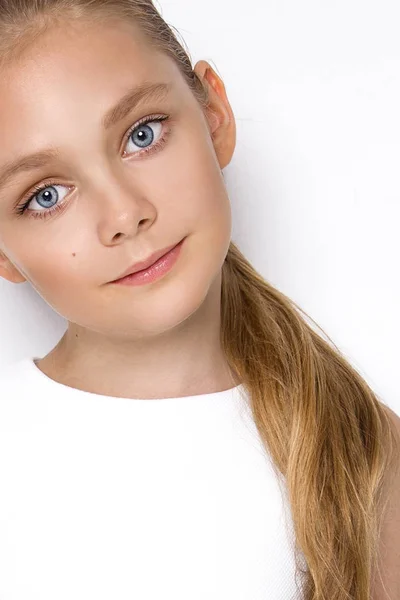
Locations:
(161, 340)
(155, 341)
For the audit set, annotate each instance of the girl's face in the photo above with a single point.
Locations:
(113, 192)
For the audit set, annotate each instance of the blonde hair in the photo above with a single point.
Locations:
(324, 428)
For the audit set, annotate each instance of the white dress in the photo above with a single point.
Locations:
(107, 498)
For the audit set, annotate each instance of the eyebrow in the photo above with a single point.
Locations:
(133, 98)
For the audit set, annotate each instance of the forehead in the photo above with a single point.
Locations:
(68, 39)
(71, 76)
(74, 63)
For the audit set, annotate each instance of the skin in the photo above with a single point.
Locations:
(158, 340)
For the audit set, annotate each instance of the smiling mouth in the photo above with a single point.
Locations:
(146, 264)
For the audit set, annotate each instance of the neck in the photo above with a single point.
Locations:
(184, 361)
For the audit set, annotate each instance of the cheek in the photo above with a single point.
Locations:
(190, 197)
(51, 272)
(209, 204)
(192, 184)
(62, 281)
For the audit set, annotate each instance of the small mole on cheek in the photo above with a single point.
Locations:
(73, 254)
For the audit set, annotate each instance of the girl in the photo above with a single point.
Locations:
(111, 163)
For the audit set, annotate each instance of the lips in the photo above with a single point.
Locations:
(145, 264)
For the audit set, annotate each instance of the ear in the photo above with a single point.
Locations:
(219, 113)
(9, 271)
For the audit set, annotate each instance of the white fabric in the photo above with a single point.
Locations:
(105, 498)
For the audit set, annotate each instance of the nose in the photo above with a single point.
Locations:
(121, 211)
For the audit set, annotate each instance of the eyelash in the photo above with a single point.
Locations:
(58, 207)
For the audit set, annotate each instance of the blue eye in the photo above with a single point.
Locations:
(46, 196)
(141, 135)
(144, 135)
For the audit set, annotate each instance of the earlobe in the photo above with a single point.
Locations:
(8, 271)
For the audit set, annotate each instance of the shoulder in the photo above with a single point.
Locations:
(387, 586)
(24, 400)
(15, 381)
(12, 372)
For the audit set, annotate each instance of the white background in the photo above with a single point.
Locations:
(315, 89)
